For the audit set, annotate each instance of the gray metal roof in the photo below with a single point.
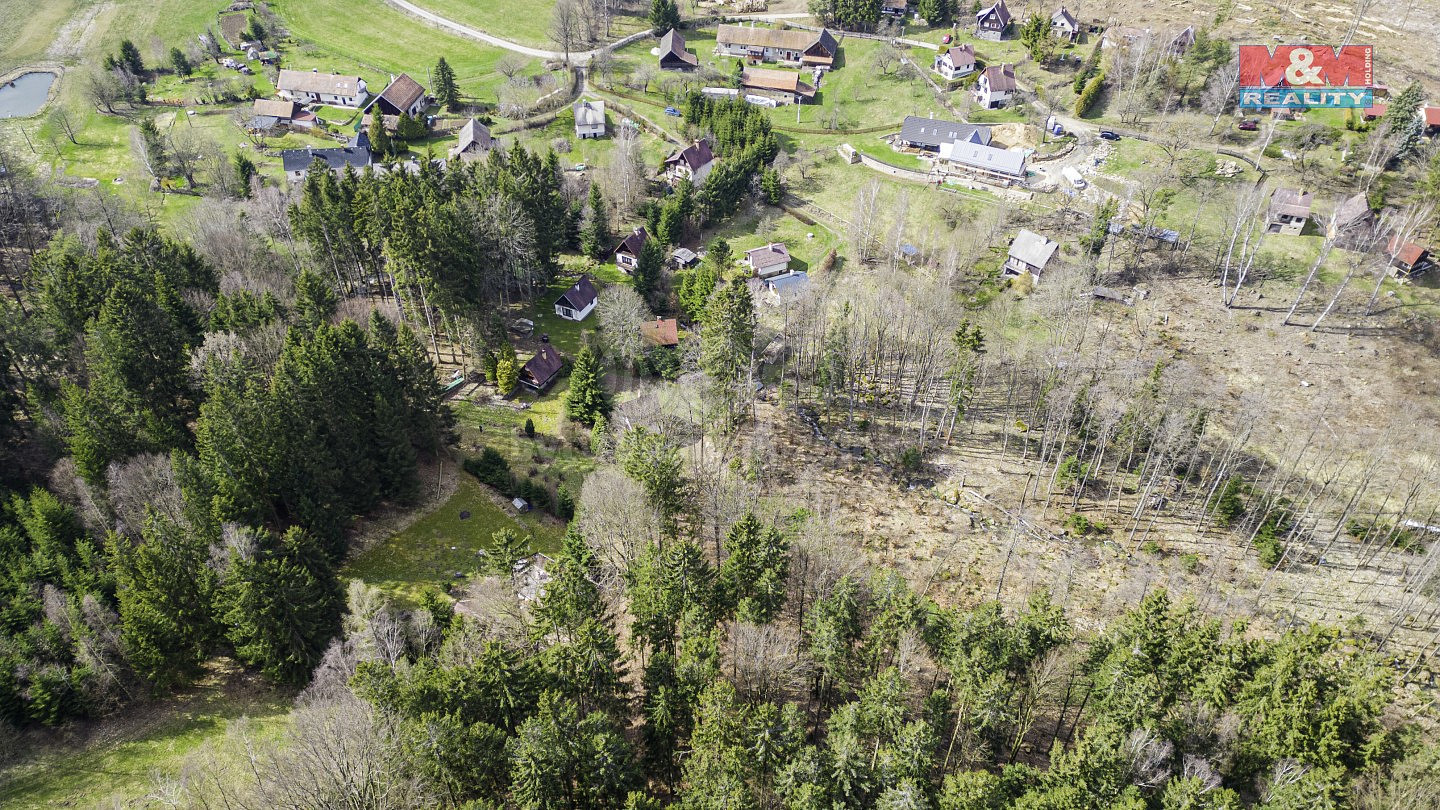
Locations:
(588, 113)
(932, 132)
(981, 156)
(1032, 249)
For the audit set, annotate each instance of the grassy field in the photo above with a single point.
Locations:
(27, 28)
(438, 546)
(119, 767)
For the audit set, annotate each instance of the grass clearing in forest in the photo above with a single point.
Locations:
(445, 542)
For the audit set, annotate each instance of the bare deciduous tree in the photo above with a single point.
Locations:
(622, 312)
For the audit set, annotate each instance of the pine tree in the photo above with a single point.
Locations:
(937, 13)
(595, 238)
(752, 578)
(180, 63)
(447, 92)
(727, 344)
(587, 398)
(507, 549)
(281, 603)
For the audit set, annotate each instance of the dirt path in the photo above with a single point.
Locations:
(73, 37)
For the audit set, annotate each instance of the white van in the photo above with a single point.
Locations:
(1073, 175)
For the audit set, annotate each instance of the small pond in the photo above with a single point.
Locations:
(25, 95)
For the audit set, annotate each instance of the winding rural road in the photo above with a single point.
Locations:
(578, 57)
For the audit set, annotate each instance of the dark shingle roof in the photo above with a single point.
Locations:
(932, 132)
(1000, 10)
(580, 295)
(543, 367)
(338, 158)
(1001, 77)
(401, 94)
(695, 155)
(673, 45)
(632, 243)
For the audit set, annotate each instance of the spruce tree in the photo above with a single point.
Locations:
(595, 239)
(130, 58)
(281, 603)
(165, 591)
(447, 92)
(380, 142)
(507, 549)
(587, 398)
(647, 275)
(664, 15)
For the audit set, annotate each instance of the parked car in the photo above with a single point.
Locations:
(1249, 124)
(672, 111)
(1109, 135)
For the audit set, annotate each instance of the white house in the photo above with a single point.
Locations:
(995, 86)
(692, 163)
(589, 119)
(1064, 25)
(1029, 253)
(953, 63)
(578, 301)
(627, 253)
(308, 87)
(768, 260)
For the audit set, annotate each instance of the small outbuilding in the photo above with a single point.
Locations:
(663, 332)
(673, 55)
(475, 142)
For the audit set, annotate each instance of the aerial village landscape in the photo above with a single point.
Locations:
(721, 405)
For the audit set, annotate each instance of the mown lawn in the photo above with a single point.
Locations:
(27, 28)
(446, 542)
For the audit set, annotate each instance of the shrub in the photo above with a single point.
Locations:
(1084, 527)
(1088, 96)
(1190, 562)
(491, 469)
(1150, 547)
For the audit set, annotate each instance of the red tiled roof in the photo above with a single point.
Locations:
(1432, 116)
(661, 331)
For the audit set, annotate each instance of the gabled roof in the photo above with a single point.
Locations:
(589, 113)
(296, 160)
(1064, 15)
(1411, 254)
(1291, 203)
(1432, 116)
(276, 108)
(1184, 39)
(787, 282)
(790, 39)
(1351, 211)
(632, 243)
(474, 134)
(772, 255)
(983, 156)
(580, 295)
(1032, 249)
(1001, 78)
(661, 332)
(402, 93)
(303, 81)
(694, 156)
(673, 45)
(961, 54)
(1001, 12)
(933, 132)
(782, 80)
(543, 367)
(1375, 110)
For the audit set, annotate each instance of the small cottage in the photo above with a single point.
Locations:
(577, 302)
(1289, 211)
(1029, 254)
(692, 163)
(781, 86)
(662, 332)
(627, 253)
(540, 371)
(954, 63)
(589, 119)
(475, 142)
(403, 96)
(996, 86)
(1064, 26)
(768, 260)
(993, 22)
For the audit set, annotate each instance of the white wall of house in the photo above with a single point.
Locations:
(626, 262)
(574, 314)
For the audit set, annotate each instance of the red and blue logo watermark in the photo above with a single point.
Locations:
(1306, 76)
